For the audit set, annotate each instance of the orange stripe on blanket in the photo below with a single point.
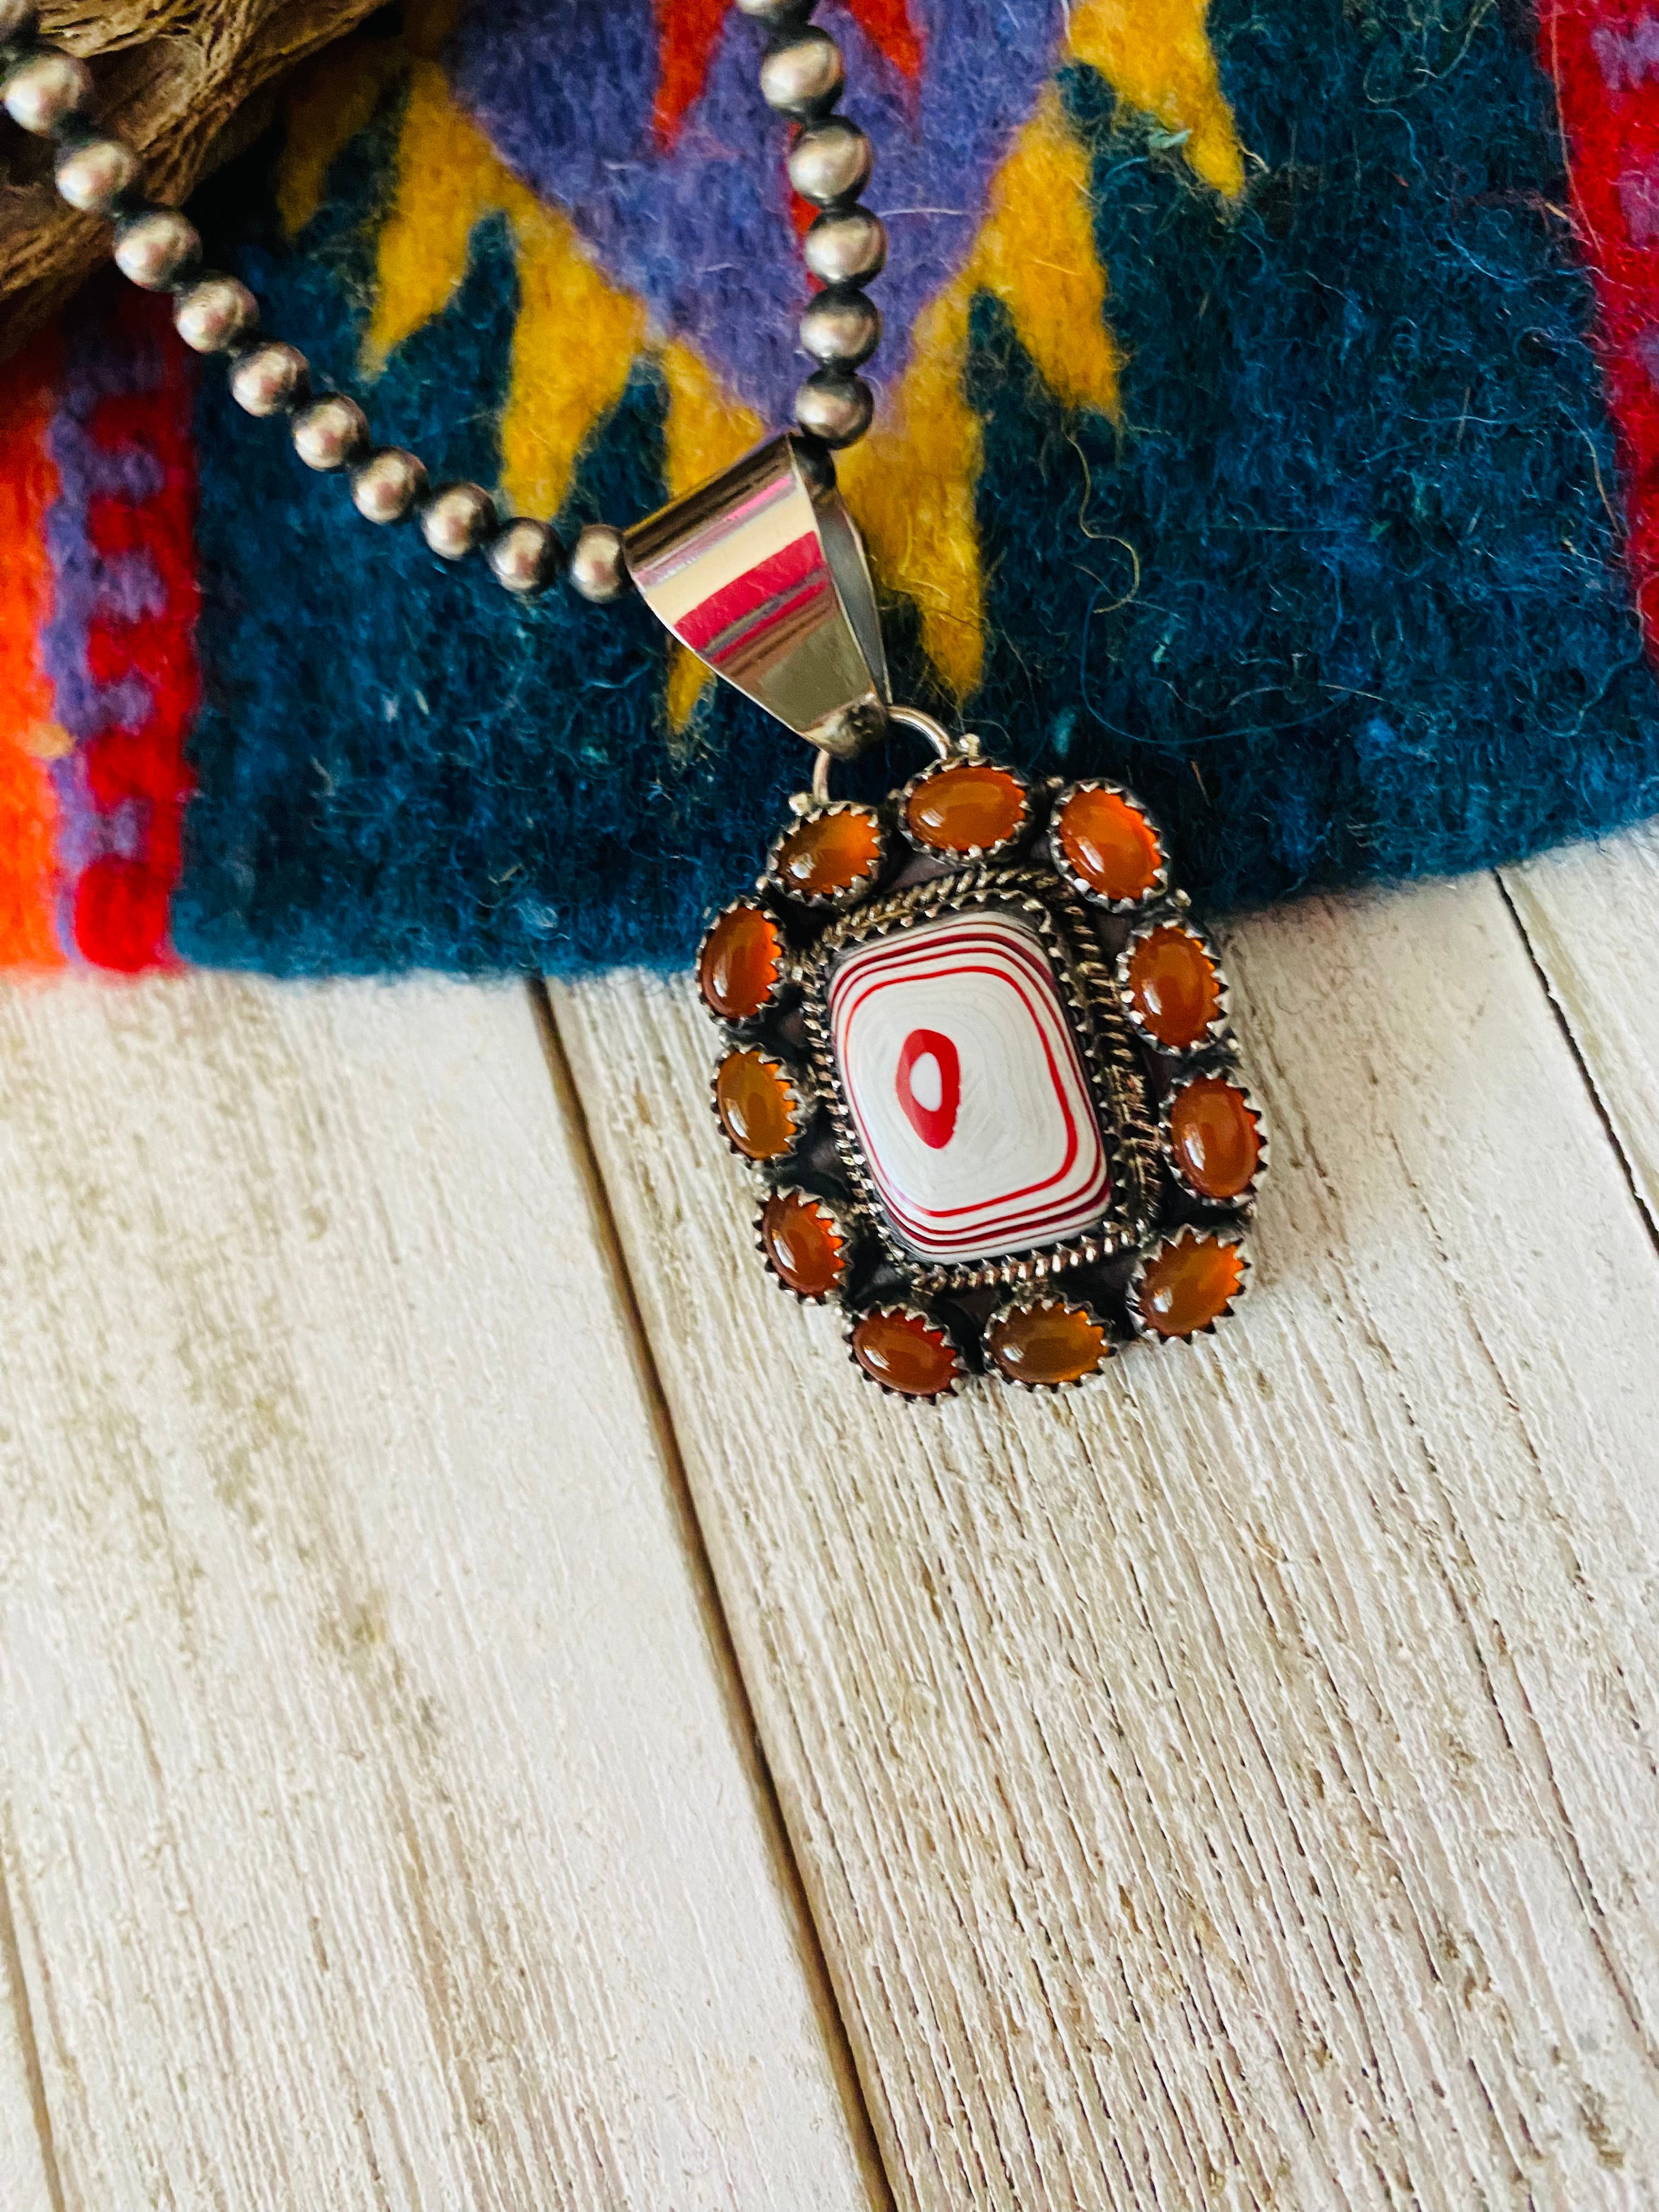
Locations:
(29, 734)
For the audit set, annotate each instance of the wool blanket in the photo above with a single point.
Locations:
(1268, 416)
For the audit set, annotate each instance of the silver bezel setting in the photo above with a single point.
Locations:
(845, 1229)
(1205, 1232)
(1031, 1301)
(960, 1370)
(1157, 889)
(799, 1086)
(967, 856)
(1221, 1070)
(1094, 1010)
(1169, 915)
(850, 894)
(739, 1024)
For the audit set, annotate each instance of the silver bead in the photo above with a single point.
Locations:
(15, 17)
(777, 13)
(274, 376)
(216, 313)
(802, 73)
(525, 556)
(457, 517)
(153, 249)
(44, 91)
(835, 407)
(597, 568)
(331, 432)
(841, 329)
(830, 160)
(385, 487)
(95, 174)
(848, 246)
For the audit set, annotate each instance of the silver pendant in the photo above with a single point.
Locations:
(975, 1050)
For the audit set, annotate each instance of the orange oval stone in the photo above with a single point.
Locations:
(1173, 985)
(1189, 1283)
(828, 853)
(1047, 1344)
(1214, 1136)
(1110, 843)
(739, 966)
(756, 1105)
(802, 1243)
(906, 1353)
(971, 805)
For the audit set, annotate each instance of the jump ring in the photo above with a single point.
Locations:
(935, 732)
(937, 735)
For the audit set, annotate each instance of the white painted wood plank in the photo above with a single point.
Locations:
(1592, 914)
(25, 2161)
(1233, 1784)
(380, 1818)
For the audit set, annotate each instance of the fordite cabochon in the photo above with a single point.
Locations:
(967, 1090)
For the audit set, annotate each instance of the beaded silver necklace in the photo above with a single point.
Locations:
(974, 1051)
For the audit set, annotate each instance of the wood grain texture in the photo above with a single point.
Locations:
(1233, 1785)
(28, 2167)
(1591, 914)
(171, 75)
(380, 1820)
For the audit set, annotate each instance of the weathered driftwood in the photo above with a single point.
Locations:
(171, 76)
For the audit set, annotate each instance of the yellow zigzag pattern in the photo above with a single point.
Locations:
(911, 482)
(577, 334)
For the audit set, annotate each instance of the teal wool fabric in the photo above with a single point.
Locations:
(1343, 597)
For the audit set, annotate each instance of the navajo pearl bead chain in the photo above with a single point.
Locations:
(47, 92)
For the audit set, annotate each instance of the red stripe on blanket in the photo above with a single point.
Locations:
(122, 901)
(1604, 57)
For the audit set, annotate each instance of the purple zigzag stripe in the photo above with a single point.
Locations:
(100, 362)
(88, 583)
(564, 88)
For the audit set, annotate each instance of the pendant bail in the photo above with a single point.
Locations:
(761, 572)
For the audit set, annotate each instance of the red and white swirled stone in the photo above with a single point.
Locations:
(967, 1089)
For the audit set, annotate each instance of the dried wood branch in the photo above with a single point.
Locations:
(171, 75)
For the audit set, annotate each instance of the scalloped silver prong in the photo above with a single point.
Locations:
(1216, 1029)
(1064, 867)
(1037, 1303)
(802, 1100)
(1220, 1069)
(1166, 1239)
(847, 894)
(902, 1309)
(967, 754)
(782, 981)
(845, 1232)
